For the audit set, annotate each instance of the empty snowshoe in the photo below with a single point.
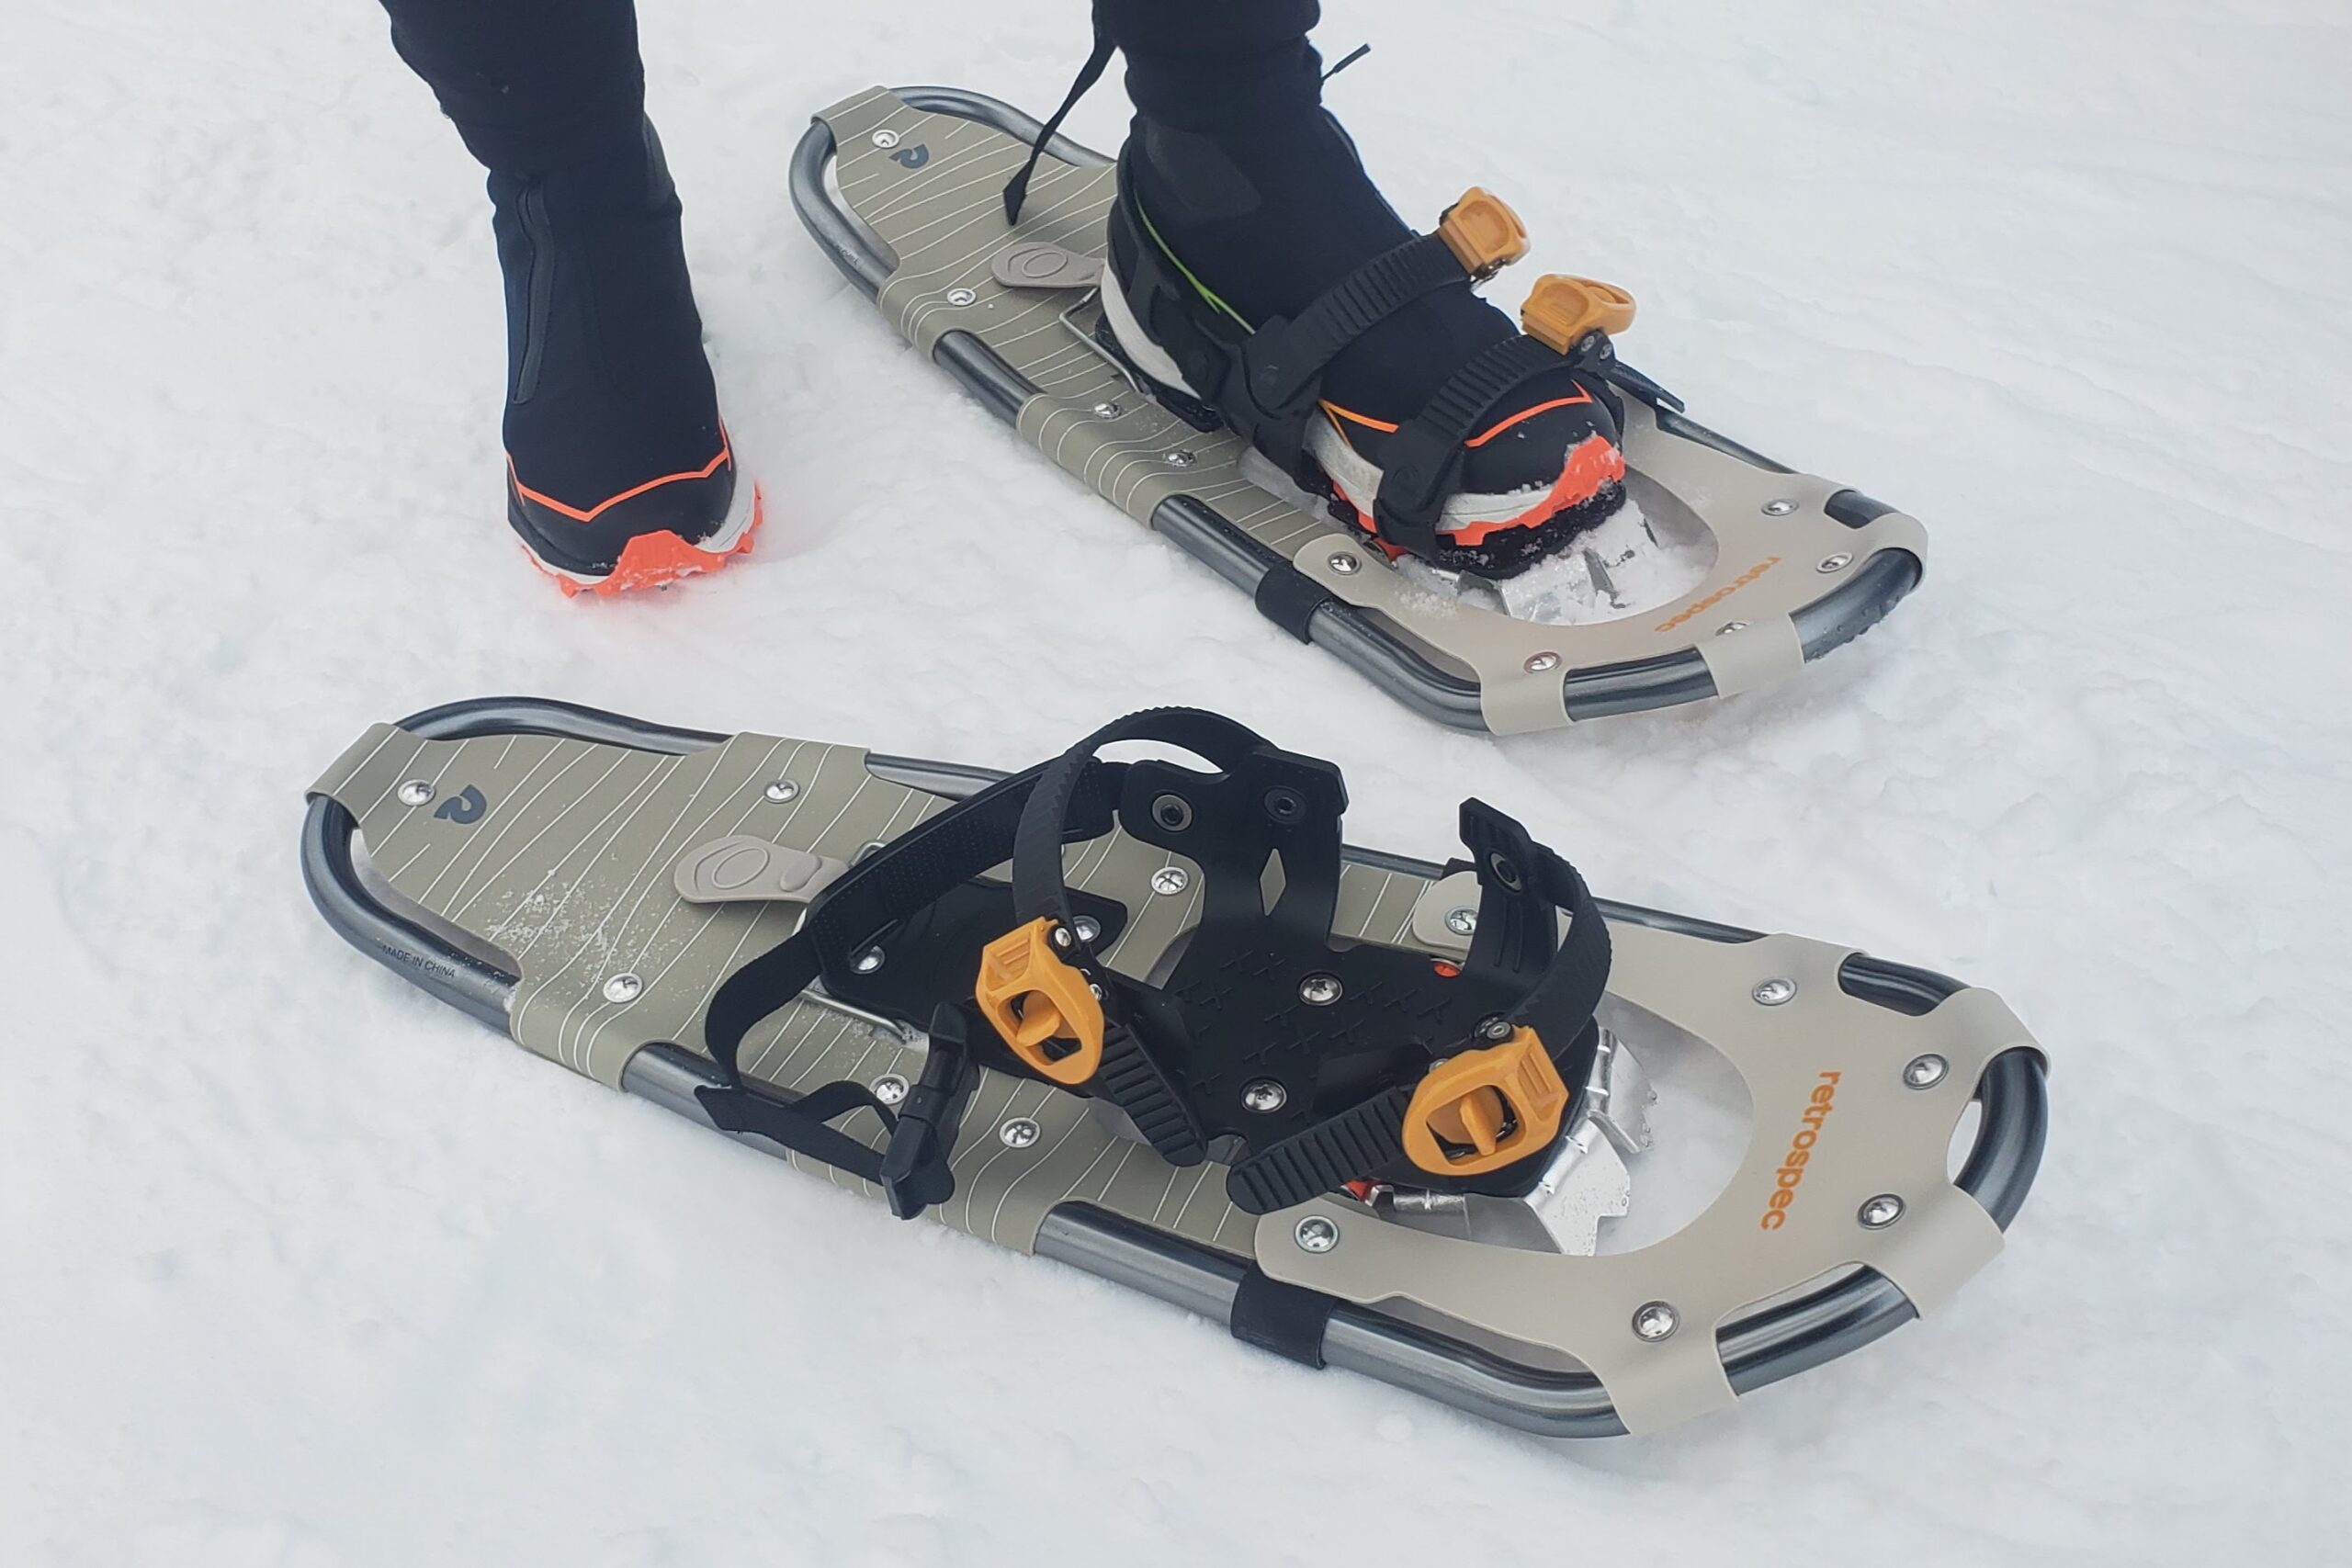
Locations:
(1723, 573)
(1155, 1019)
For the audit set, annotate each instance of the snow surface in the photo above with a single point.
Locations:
(298, 1268)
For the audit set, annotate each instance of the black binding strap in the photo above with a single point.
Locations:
(1285, 361)
(1524, 887)
(1289, 1320)
(1420, 465)
(1016, 190)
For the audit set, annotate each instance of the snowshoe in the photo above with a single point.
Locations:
(1159, 1022)
(1723, 573)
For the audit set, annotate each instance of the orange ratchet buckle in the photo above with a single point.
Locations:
(1481, 1110)
(1483, 232)
(1043, 1008)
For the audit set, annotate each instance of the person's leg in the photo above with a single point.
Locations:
(1247, 183)
(612, 427)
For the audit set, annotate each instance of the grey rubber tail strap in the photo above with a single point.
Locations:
(1016, 190)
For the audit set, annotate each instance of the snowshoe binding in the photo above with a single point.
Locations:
(1527, 535)
(1155, 1019)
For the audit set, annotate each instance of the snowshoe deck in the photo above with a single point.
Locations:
(586, 883)
(903, 191)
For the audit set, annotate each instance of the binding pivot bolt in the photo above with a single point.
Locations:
(1924, 1072)
(1776, 991)
(416, 792)
(1315, 1234)
(1881, 1212)
(868, 960)
(1089, 928)
(1265, 1096)
(889, 1088)
(1653, 1320)
(1018, 1133)
(1462, 922)
(781, 791)
(1345, 564)
(623, 988)
(1170, 879)
(1319, 990)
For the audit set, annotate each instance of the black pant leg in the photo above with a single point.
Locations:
(1195, 64)
(532, 84)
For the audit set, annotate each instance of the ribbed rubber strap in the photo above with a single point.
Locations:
(1284, 359)
(1131, 1079)
(1558, 1007)
(1418, 464)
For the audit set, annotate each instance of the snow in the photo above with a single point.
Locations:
(298, 1268)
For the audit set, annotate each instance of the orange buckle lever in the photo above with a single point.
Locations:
(1483, 232)
(1043, 1008)
(1482, 1110)
(1561, 309)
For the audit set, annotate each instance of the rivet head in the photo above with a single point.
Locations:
(1924, 1072)
(890, 1089)
(868, 961)
(886, 140)
(1264, 1095)
(1877, 1214)
(1018, 1133)
(623, 988)
(1497, 1029)
(1780, 508)
(962, 296)
(1462, 922)
(1773, 992)
(1319, 990)
(1180, 457)
(1344, 564)
(1315, 1234)
(1170, 879)
(1062, 937)
(781, 790)
(416, 792)
(1089, 928)
(1838, 562)
(1108, 410)
(1539, 663)
(1653, 1320)
(1730, 626)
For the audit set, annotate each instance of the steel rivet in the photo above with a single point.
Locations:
(1924, 1072)
(1539, 663)
(1775, 991)
(1838, 562)
(1108, 410)
(416, 792)
(868, 960)
(1089, 928)
(1781, 508)
(1315, 1234)
(1061, 936)
(1179, 458)
(1655, 1321)
(1881, 1212)
(1344, 564)
(1170, 879)
(781, 791)
(1018, 1133)
(886, 140)
(889, 1088)
(1462, 922)
(1497, 1028)
(623, 988)
(1265, 1095)
(962, 296)
(1730, 626)
(1319, 990)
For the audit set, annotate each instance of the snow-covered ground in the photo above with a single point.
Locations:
(298, 1268)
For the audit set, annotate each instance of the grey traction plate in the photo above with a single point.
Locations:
(562, 857)
(913, 207)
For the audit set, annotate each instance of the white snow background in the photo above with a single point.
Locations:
(298, 1266)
